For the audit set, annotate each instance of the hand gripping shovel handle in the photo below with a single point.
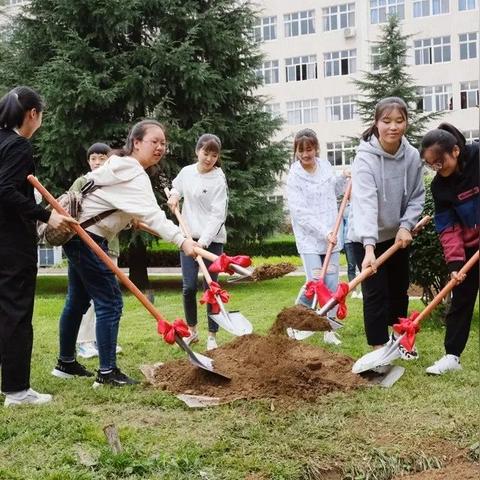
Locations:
(121, 276)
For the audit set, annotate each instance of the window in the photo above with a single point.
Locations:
(425, 8)
(374, 58)
(343, 62)
(16, 2)
(272, 108)
(468, 45)
(299, 23)
(467, 4)
(380, 10)
(471, 136)
(338, 16)
(468, 94)
(435, 99)
(265, 29)
(302, 111)
(432, 50)
(269, 71)
(300, 68)
(340, 153)
(340, 108)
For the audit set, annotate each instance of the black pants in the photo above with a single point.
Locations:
(459, 316)
(17, 293)
(385, 296)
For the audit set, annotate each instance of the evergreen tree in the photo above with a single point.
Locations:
(103, 64)
(391, 79)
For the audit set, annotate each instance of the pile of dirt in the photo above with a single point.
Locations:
(261, 367)
(267, 271)
(299, 317)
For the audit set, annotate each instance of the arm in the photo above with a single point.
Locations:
(13, 174)
(177, 186)
(415, 203)
(217, 215)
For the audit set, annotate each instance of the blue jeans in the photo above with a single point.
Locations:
(351, 264)
(312, 264)
(90, 279)
(190, 286)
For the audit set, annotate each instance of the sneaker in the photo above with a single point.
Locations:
(331, 338)
(70, 370)
(448, 363)
(192, 338)
(118, 349)
(87, 350)
(115, 378)
(357, 294)
(211, 342)
(408, 354)
(27, 397)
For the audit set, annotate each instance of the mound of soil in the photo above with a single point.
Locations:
(300, 318)
(267, 271)
(261, 367)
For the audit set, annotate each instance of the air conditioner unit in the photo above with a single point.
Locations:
(349, 32)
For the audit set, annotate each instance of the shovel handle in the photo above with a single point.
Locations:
(336, 228)
(98, 251)
(446, 289)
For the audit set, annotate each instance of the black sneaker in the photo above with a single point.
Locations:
(114, 378)
(70, 370)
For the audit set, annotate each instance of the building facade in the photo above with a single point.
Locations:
(314, 48)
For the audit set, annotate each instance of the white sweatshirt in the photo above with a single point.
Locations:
(312, 201)
(125, 185)
(205, 202)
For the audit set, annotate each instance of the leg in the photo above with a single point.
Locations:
(331, 277)
(398, 281)
(350, 256)
(217, 249)
(190, 282)
(312, 264)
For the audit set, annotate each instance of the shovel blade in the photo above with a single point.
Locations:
(377, 358)
(240, 279)
(233, 322)
(299, 334)
(199, 360)
(386, 379)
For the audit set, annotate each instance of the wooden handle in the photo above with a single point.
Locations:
(446, 289)
(336, 228)
(98, 251)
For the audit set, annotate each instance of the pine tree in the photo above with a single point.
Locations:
(391, 79)
(103, 64)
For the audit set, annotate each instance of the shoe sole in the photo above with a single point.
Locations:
(60, 374)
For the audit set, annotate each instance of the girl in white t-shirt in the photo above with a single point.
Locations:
(203, 188)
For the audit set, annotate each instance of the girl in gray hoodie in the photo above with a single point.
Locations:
(387, 200)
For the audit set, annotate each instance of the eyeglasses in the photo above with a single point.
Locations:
(156, 143)
(435, 166)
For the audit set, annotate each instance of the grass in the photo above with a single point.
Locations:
(368, 434)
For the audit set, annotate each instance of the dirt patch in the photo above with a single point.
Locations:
(262, 367)
(267, 271)
(461, 470)
(299, 317)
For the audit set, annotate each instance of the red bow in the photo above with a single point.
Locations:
(408, 327)
(222, 263)
(210, 294)
(324, 295)
(168, 331)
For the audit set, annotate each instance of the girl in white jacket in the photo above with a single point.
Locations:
(312, 191)
(203, 188)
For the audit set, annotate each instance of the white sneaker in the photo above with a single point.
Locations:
(447, 363)
(192, 338)
(331, 338)
(27, 397)
(87, 350)
(211, 343)
(118, 349)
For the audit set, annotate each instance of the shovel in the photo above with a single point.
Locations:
(233, 322)
(196, 359)
(391, 351)
(367, 272)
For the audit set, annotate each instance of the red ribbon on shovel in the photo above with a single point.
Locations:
(168, 331)
(324, 295)
(408, 327)
(209, 296)
(222, 263)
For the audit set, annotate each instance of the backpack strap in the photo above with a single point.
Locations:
(97, 218)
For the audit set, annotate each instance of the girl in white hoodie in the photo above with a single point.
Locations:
(312, 191)
(203, 188)
(123, 186)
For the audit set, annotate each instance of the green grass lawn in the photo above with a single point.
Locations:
(368, 434)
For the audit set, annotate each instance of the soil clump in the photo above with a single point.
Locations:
(273, 367)
(267, 271)
(299, 317)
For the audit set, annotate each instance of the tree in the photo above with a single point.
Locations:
(391, 79)
(103, 64)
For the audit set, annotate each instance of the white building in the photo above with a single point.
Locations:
(313, 49)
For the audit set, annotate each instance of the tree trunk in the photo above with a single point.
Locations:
(138, 263)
